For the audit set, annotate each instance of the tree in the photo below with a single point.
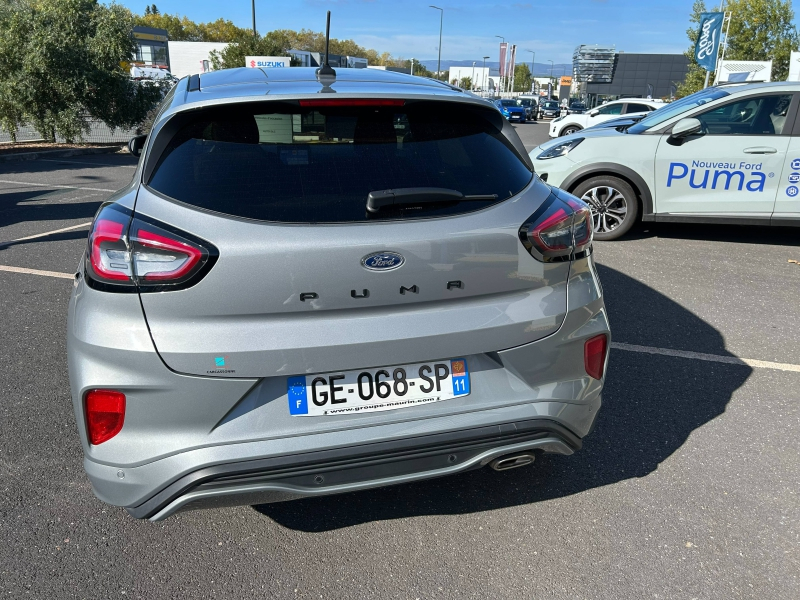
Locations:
(275, 43)
(465, 83)
(762, 30)
(183, 29)
(759, 30)
(419, 69)
(68, 67)
(522, 78)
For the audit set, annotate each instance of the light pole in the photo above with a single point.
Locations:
(483, 87)
(255, 34)
(551, 77)
(501, 65)
(533, 66)
(412, 66)
(472, 81)
(441, 20)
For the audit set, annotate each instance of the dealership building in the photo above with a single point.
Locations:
(602, 73)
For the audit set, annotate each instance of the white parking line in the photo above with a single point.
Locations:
(37, 272)
(53, 185)
(731, 360)
(86, 162)
(45, 234)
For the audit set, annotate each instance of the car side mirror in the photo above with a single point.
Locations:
(136, 144)
(594, 113)
(684, 128)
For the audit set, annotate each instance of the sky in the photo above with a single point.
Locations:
(410, 29)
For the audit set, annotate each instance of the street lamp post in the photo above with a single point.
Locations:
(501, 67)
(255, 34)
(412, 66)
(485, 76)
(441, 20)
(551, 76)
(533, 65)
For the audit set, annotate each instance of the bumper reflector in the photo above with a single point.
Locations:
(594, 355)
(105, 413)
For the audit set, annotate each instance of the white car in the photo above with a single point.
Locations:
(727, 154)
(569, 124)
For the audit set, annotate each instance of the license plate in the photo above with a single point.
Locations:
(371, 390)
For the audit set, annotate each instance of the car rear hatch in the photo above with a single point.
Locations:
(345, 234)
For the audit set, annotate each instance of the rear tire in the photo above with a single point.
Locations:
(615, 207)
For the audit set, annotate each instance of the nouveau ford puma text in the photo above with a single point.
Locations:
(320, 283)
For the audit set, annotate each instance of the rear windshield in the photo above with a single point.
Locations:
(318, 164)
(551, 104)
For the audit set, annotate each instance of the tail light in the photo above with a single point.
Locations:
(130, 253)
(105, 414)
(561, 229)
(594, 355)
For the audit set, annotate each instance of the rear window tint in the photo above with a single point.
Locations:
(287, 163)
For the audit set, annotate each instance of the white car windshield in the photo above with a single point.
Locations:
(675, 108)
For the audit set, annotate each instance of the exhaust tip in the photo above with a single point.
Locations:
(512, 461)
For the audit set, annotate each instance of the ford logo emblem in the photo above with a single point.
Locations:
(383, 261)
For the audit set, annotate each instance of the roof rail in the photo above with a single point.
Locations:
(723, 83)
(194, 83)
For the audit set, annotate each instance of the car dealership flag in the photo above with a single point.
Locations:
(705, 50)
(512, 60)
(503, 48)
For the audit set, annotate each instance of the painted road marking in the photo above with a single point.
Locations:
(86, 162)
(45, 234)
(731, 360)
(37, 272)
(53, 185)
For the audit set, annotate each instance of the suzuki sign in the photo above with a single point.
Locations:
(266, 62)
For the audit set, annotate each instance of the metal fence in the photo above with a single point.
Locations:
(99, 133)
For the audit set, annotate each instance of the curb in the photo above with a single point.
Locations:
(60, 153)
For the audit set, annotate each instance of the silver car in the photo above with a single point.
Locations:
(319, 284)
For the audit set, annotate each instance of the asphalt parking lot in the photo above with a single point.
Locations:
(687, 487)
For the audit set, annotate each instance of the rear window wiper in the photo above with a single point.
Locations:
(397, 197)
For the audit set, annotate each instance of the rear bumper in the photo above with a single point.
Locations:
(350, 469)
(191, 441)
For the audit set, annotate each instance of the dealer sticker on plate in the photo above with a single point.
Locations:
(372, 390)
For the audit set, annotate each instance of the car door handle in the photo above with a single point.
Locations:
(760, 150)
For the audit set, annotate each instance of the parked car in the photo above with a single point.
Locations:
(549, 108)
(576, 108)
(511, 110)
(722, 155)
(571, 123)
(620, 123)
(301, 294)
(531, 106)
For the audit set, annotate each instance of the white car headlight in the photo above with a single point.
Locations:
(560, 149)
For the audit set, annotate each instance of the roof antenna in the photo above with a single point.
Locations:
(326, 69)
